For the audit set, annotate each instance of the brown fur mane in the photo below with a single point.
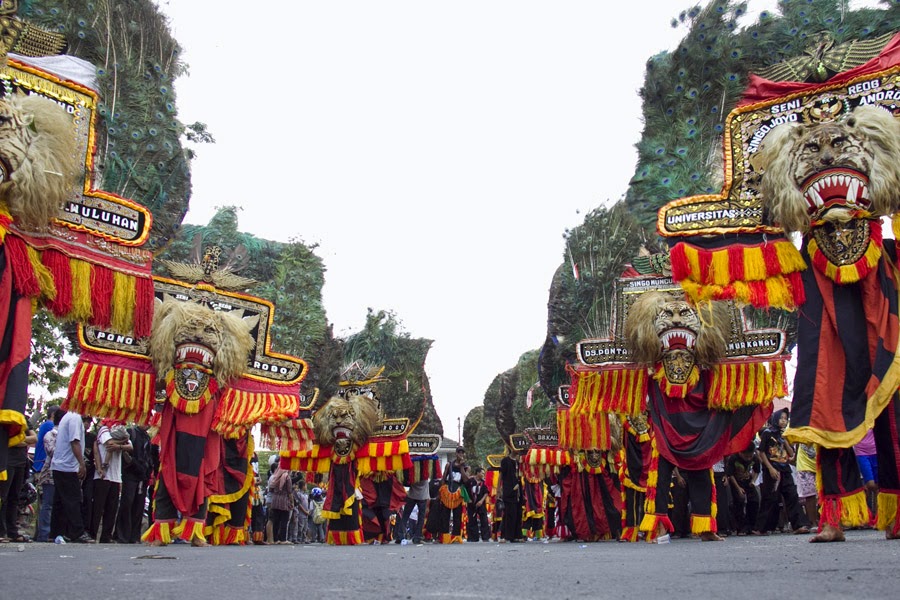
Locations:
(38, 141)
(643, 340)
(228, 337)
(783, 198)
(361, 410)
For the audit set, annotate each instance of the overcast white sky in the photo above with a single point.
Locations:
(436, 151)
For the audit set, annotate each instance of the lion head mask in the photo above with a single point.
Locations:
(664, 327)
(830, 170)
(345, 423)
(37, 158)
(199, 343)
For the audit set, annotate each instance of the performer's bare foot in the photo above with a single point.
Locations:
(711, 536)
(199, 542)
(891, 536)
(829, 533)
(155, 544)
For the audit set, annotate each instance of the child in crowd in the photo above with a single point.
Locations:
(742, 469)
(776, 455)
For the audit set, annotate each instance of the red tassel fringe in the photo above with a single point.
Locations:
(143, 310)
(58, 265)
(101, 295)
(23, 273)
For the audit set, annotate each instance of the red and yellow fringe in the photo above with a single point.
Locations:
(225, 535)
(650, 525)
(109, 391)
(889, 512)
(849, 509)
(451, 499)
(581, 432)
(383, 455)
(844, 274)
(423, 468)
(77, 290)
(242, 406)
(188, 529)
(703, 524)
(622, 391)
(543, 462)
(289, 436)
(740, 384)
(159, 531)
(449, 538)
(763, 275)
(344, 538)
(314, 460)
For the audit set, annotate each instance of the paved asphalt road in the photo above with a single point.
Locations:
(765, 568)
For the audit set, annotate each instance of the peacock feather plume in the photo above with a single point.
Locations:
(687, 93)
(139, 146)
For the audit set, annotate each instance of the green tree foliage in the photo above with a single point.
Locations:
(580, 307)
(471, 425)
(289, 275)
(139, 150)
(51, 362)
(688, 93)
(407, 393)
(497, 406)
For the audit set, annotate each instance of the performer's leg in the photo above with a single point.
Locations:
(887, 448)
(656, 519)
(700, 491)
(842, 499)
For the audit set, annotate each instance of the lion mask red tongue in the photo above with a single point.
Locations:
(678, 339)
(836, 187)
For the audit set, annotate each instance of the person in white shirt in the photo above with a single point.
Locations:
(68, 471)
(112, 441)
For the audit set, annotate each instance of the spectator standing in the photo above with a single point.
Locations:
(112, 442)
(280, 489)
(87, 484)
(135, 475)
(724, 524)
(867, 459)
(511, 494)
(479, 526)
(301, 504)
(43, 480)
(776, 455)
(317, 505)
(68, 469)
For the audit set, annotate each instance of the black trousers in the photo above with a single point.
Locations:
(771, 491)
(9, 501)
(478, 526)
(746, 509)
(65, 519)
(106, 505)
(131, 512)
(280, 520)
(511, 527)
(403, 522)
